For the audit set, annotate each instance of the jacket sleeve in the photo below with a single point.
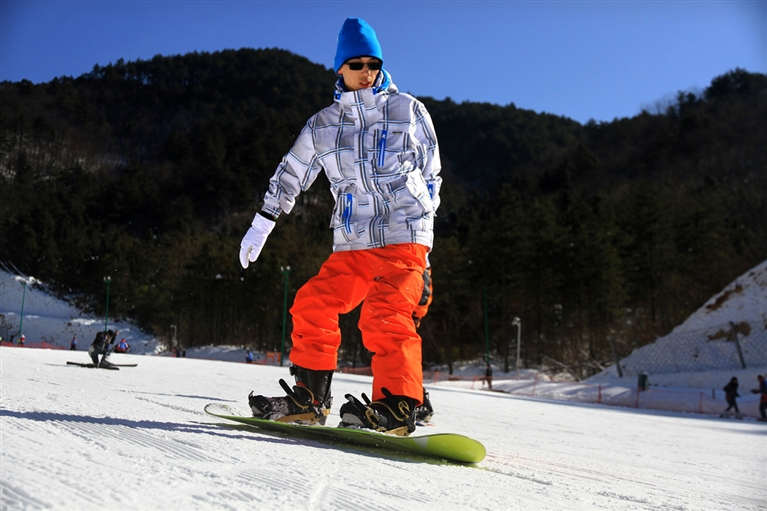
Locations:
(430, 164)
(295, 173)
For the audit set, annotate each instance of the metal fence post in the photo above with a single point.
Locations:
(734, 333)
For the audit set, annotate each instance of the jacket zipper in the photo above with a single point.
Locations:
(382, 148)
(347, 215)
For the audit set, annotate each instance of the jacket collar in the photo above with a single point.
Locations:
(383, 85)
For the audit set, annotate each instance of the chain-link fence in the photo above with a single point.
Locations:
(724, 347)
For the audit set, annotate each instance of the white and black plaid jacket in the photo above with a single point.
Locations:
(379, 150)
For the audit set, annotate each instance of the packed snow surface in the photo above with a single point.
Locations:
(137, 438)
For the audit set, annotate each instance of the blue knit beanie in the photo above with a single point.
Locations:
(356, 39)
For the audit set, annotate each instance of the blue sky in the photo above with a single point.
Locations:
(581, 59)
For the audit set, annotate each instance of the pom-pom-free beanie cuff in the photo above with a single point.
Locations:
(356, 39)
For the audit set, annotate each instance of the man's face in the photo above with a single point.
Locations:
(357, 74)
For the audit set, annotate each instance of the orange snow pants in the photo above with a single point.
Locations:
(389, 282)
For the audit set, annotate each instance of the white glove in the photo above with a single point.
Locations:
(255, 239)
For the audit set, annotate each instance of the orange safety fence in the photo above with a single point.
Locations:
(675, 400)
(39, 345)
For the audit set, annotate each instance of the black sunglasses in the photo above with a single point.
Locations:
(357, 66)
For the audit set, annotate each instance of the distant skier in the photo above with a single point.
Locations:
(22, 339)
(731, 395)
(73, 344)
(101, 346)
(763, 399)
(489, 375)
(249, 357)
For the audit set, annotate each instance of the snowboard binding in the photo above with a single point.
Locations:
(308, 402)
(393, 414)
(425, 411)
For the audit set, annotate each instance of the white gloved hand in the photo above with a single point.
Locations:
(255, 239)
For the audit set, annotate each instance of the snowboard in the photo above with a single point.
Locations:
(113, 367)
(439, 446)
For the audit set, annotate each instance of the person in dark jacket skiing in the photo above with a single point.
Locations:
(731, 395)
(379, 151)
(101, 346)
(489, 375)
(763, 399)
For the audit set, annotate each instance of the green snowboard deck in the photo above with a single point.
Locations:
(445, 446)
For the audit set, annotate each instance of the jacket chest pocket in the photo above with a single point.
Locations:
(388, 149)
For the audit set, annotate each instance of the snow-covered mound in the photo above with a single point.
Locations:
(729, 332)
(744, 300)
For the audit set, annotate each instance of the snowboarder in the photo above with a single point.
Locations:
(101, 346)
(378, 148)
(763, 398)
(73, 344)
(731, 395)
(249, 357)
(22, 339)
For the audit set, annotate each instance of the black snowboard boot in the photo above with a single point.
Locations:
(425, 411)
(308, 402)
(393, 414)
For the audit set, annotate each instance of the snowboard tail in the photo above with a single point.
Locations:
(445, 446)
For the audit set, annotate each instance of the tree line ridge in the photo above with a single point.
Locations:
(600, 237)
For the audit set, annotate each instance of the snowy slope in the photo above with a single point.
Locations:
(91, 439)
(706, 341)
(53, 321)
(743, 300)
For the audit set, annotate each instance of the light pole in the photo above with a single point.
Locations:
(23, 298)
(285, 271)
(518, 323)
(108, 280)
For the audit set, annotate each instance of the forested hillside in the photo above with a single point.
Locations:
(600, 237)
